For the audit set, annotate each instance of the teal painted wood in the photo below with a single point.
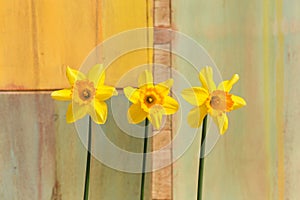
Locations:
(27, 146)
(108, 182)
(291, 28)
(243, 37)
(42, 157)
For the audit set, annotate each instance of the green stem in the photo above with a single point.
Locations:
(201, 164)
(88, 161)
(144, 160)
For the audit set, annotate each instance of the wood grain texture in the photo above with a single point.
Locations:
(290, 29)
(255, 159)
(27, 144)
(108, 182)
(119, 17)
(43, 157)
(44, 36)
(162, 179)
(47, 36)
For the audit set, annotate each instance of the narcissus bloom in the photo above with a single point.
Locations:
(87, 95)
(150, 101)
(212, 100)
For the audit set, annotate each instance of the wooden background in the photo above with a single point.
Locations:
(41, 157)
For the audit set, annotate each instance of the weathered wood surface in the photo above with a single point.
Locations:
(38, 40)
(47, 36)
(42, 157)
(257, 158)
(162, 179)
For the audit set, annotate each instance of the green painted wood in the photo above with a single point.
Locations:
(27, 147)
(42, 157)
(259, 40)
(107, 182)
(291, 25)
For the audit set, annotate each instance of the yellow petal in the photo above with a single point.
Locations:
(163, 88)
(196, 116)
(155, 116)
(75, 112)
(136, 114)
(222, 122)
(227, 85)
(97, 75)
(145, 78)
(170, 105)
(206, 78)
(74, 75)
(238, 102)
(105, 92)
(62, 95)
(132, 94)
(195, 95)
(98, 111)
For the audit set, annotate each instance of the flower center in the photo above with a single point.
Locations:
(86, 93)
(150, 99)
(221, 100)
(85, 90)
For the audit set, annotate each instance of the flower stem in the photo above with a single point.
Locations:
(144, 160)
(201, 163)
(88, 161)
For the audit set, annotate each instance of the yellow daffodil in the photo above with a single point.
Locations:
(150, 101)
(87, 94)
(212, 100)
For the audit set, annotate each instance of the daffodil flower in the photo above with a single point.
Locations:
(212, 100)
(150, 101)
(87, 95)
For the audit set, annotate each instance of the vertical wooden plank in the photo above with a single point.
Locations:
(70, 156)
(162, 178)
(108, 182)
(243, 164)
(27, 144)
(120, 16)
(44, 37)
(116, 17)
(290, 27)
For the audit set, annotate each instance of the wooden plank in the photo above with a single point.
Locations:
(119, 17)
(107, 181)
(162, 179)
(28, 147)
(70, 156)
(290, 28)
(243, 164)
(44, 37)
(47, 158)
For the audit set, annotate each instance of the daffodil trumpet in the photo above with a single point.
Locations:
(150, 101)
(87, 94)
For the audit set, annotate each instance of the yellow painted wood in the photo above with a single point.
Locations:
(39, 38)
(120, 16)
(49, 35)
